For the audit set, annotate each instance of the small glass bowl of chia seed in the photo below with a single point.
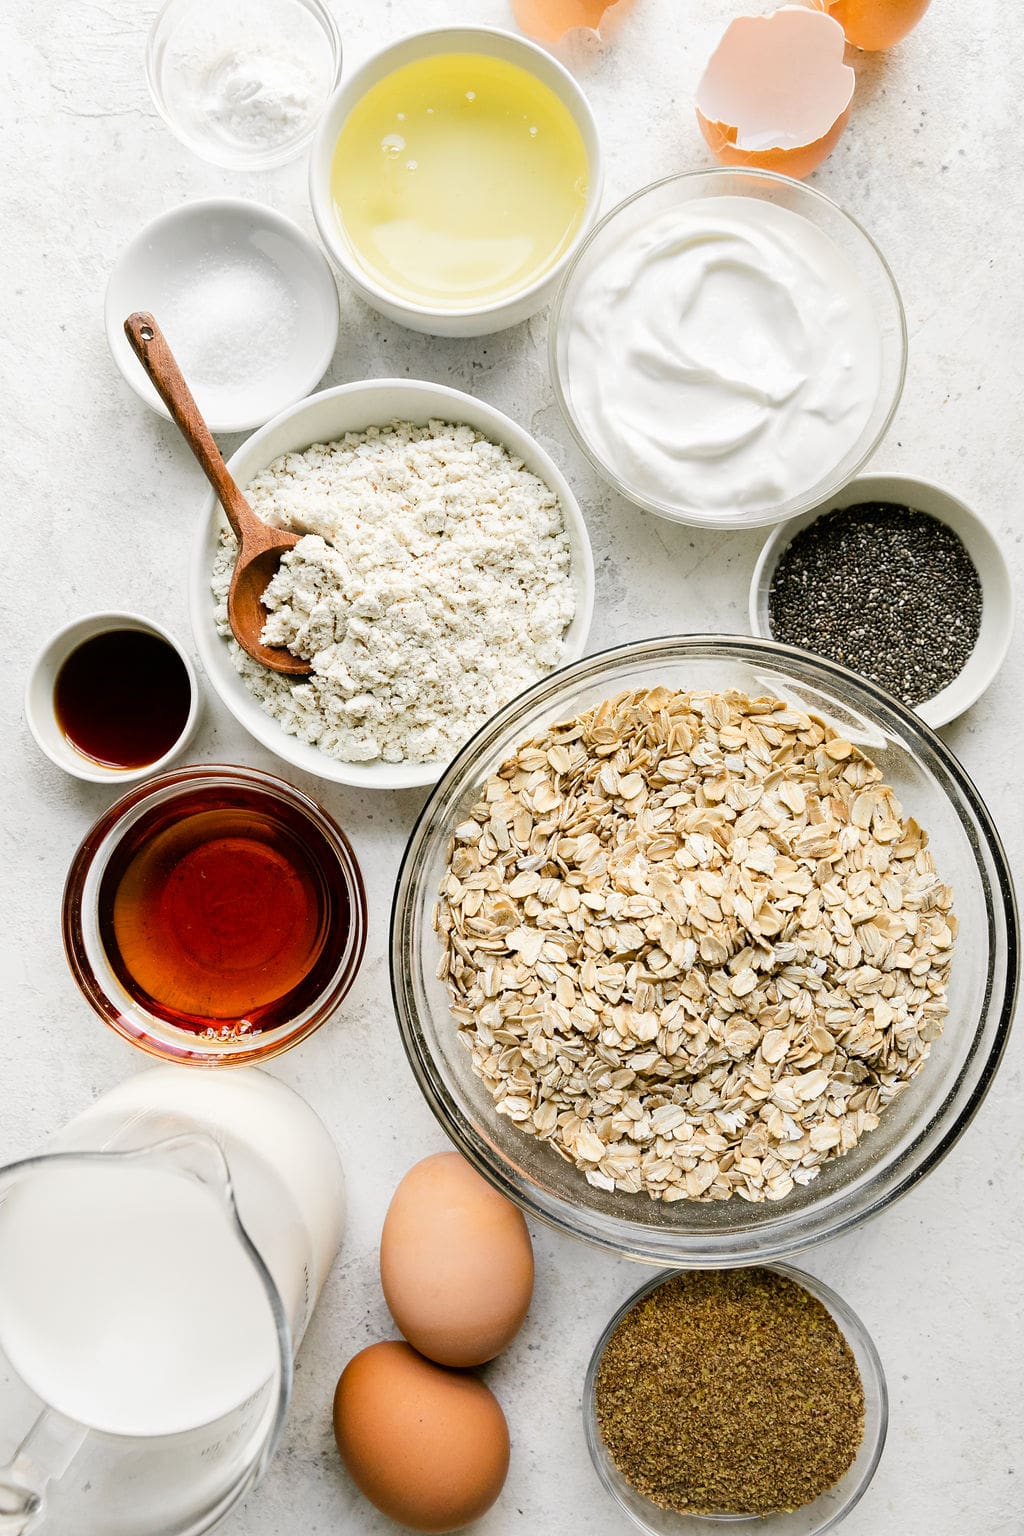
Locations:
(899, 581)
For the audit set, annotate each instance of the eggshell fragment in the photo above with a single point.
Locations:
(876, 24)
(429, 1447)
(776, 93)
(456, 1262)
(548, 21)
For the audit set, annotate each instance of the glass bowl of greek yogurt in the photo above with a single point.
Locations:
(728, 348)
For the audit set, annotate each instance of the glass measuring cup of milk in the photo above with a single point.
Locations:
(158, 1266)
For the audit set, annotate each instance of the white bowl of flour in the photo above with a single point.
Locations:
(445, 568)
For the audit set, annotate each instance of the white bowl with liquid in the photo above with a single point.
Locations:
(471, 319)
(40, 707)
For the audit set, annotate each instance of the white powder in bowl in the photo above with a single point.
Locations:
(231, 320)
(257, 99)
(433, 585)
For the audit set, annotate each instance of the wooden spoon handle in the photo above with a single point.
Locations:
(149, 344)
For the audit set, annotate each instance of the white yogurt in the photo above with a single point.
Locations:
(724, 359)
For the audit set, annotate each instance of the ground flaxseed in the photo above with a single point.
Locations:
(886, 590)
(730, 1392)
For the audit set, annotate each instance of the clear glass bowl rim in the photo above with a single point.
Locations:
(492, 1166)
(242, 159)
(850, 1326)
(693, 517)
(193, 1050)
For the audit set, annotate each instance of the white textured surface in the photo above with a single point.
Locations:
(100, 500)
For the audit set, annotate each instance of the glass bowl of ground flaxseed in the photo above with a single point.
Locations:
(753, 1398)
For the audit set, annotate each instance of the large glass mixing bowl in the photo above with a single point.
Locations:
(915, 1131)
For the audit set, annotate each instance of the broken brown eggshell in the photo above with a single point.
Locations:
(548, 21)
(776, 92)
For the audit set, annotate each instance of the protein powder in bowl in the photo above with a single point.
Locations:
(446, 566)
(728, 348)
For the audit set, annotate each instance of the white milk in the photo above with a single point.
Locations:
(284, 1167)
(127, 1301)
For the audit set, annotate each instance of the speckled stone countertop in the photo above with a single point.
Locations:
(100, 502)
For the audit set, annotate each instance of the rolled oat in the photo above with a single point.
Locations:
(693, 942)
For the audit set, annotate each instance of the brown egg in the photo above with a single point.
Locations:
(550, 20)
(428, 1446)
(776, 92)
(875, 24)
(456, 1263)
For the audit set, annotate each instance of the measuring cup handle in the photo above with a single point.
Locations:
(43, 1457)
(19, 1506)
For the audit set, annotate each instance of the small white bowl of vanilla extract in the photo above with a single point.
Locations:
(112, 698)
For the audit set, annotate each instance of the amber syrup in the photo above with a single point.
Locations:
(226, 913)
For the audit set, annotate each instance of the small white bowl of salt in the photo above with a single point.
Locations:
(247, 302)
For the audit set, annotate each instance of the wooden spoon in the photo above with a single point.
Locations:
(260, 546)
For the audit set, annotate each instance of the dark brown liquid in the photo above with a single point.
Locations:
(225, 912)
(122, 698)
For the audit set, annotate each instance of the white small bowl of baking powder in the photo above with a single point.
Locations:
(247, 302)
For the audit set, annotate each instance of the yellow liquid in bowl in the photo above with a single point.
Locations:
(459, 180)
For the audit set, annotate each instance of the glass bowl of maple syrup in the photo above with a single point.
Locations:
(214, 915)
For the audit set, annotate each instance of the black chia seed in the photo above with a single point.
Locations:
(887, 591)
